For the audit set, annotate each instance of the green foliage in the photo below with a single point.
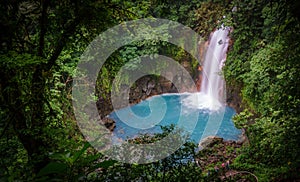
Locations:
(177, 166)
(265, 61)
(275, 68)
(243, 119)
(86, 164)
(22, 116)
(180, 11)
(74, 165)
(41, 44)
(208, 16)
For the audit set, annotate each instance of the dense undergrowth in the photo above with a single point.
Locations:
(264, 59)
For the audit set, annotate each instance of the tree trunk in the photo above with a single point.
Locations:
(28, 116)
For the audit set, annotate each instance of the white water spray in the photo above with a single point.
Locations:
(211, 95)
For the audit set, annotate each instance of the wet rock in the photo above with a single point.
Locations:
(151, 84)
(148, 92)
(243, 139)
(209, 142)
(233, 97)
(109, 123)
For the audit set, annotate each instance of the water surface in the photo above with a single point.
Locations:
(147, 116)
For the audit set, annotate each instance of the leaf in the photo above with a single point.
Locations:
(80, 152)
(53, 168)
(106, 164)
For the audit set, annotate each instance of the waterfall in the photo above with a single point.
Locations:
(212, 83)
(212, 90)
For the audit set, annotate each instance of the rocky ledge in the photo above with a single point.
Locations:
(215, 157)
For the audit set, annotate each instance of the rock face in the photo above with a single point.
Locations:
(233, 97)
(148, 86)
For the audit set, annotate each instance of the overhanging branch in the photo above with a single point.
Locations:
(61, 42)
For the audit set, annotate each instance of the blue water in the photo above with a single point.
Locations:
(147, 116)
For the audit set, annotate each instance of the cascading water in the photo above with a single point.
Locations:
(212, 82)
(211, 94)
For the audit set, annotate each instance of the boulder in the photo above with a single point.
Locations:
(243, 138)
(209, 141)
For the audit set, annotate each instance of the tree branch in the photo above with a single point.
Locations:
(5, 128)
(62, 41)
(43, 20)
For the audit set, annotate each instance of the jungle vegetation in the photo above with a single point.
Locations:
(41, 43)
